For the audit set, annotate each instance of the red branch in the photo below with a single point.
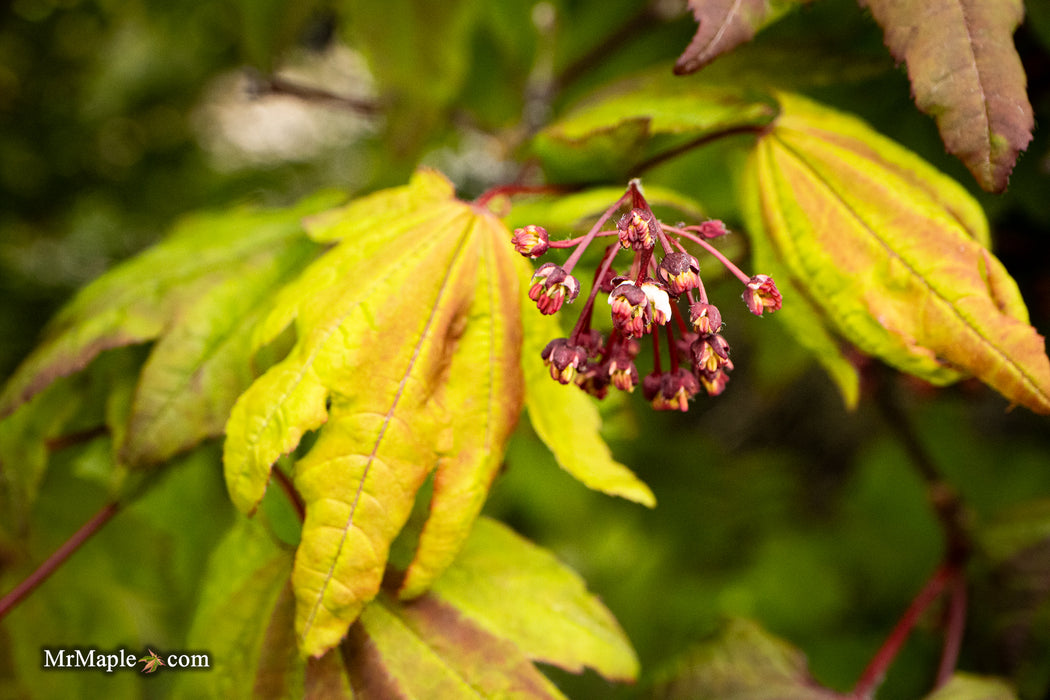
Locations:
(876, 670)
(30, 583)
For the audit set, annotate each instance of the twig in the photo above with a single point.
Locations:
(876, 670)
(275, 85)
(42, 572)
(953, 630)
(695, 143)
(69, 440)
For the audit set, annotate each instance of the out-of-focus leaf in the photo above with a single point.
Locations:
(743, 662)
(965, 686)
(203, 362)
(891, 254)
(1026, 525)
(724, 25)
(407, 353)
(520, 592)
(245, 619)
(965, 72)
(567, 420)
(566, 212)
(268, 27)
(24, 438)
(425, 649)
(641, 119)
(134, 583)
(1015, 596)
(416, 52)
(142, 298)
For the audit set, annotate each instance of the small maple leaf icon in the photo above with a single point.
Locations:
(152, 662)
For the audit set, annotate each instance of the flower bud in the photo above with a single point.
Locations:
(676, 389)
(761, 294)
(631, 311)
(705, 318)
(563, 359)
(637, 229)
(593, 378)
(531, 241)
(680, 272)
(622, 371)
(714, 383)
(710, 353)
(551, 287)
(712, 229)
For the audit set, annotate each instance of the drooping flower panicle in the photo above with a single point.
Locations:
(644, 302)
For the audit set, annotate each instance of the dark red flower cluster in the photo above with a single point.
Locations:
(641, 301)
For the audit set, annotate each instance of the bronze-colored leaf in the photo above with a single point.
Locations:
(966, 74)
(724, 25)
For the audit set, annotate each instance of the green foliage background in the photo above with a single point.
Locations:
(774, 503)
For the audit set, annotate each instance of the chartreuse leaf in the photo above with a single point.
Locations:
(407, 354)
(501, 605)
(138, 300)
(743, 662)
(245, 620)
(202, 363)
(724, 25)
(520, 592)
(965, 72)
(891, 256)
(567, 420)
(641, 119)
(965, 686)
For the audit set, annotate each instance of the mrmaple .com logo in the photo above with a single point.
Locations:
(123, 658)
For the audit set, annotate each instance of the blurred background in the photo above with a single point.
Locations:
(775, 503)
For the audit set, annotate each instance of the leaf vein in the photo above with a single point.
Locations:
(935, 293)
(389, 416)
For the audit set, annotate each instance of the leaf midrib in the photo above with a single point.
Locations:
(417, 350)
(1006, 358)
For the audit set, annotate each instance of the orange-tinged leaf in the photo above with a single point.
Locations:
(520, 592)
(883, 252)
(406, 358)
(484, 394)
(724, 25)
(503, 604)
(965, 72)
(426, 650)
